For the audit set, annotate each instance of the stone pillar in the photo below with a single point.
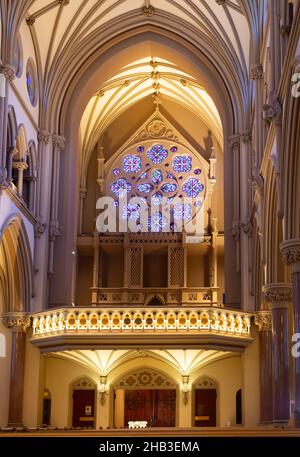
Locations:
(18, 323)
(95, 269)
(7, 75)
(20, 166)
(234, 142)
(263, 320)
(279, 296)
(291, 255)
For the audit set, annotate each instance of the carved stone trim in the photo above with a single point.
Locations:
(16, 321)
(273, 112)
(236, 230)
(234, 141)
(146, 379)
(290, 251)
(54, 230)
(278, 294)
(148, 11)
(156, 129)
(256, 71)
(263, 320)
(39, 229)
(205, 383)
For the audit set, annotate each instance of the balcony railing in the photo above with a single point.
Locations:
(90, 321)
(193, 296)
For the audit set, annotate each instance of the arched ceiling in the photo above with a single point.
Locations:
(102, 362)
(150, 76)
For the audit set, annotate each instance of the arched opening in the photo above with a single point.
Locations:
(238, 408)
(83, 400)
(205, 403)
(145, 395)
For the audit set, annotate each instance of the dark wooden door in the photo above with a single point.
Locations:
(156, 406)
(205, 407)
(83, 408)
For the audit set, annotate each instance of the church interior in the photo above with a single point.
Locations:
(179, 310)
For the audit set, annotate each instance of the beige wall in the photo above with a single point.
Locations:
(227, 373)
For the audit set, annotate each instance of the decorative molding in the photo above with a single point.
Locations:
(59, 141)
(8, 71)
(285, 30)
(16, 321)
(257, 181)
(43, 136)
(247, 228)
(156, 129)
(145, 378)
(263, 320)
(84, 384)
(30, 20)
(278, 294)
(148, 11)
(290, 251)
(256, 72)
(236, 230)
(246, 136)
(221, 2)
(205, 383)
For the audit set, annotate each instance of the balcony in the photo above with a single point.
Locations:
(176, 327)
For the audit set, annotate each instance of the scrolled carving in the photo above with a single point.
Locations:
(263, 320)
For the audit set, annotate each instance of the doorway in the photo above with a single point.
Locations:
(205, 407)
(156, 406)
(83, 403)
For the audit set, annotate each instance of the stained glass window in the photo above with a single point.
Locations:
(132, 164)
(31, 81)
(121, 187)
(168, 187)
(182, 164)
(131, 211)
(157, 153)
(182, 211)
(156, 199)
(18, 58)
(157, 176)
(145, 188)
(157, 222)
(192, 187)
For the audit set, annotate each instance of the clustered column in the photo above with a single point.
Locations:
(279, 296)
(291, 255)
(18, 323)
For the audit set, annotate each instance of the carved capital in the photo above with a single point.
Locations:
(263, 320)
(30, 20)
(256, 71)
(290, 251)
(247, 228)
(39, 229)
(44, 136)
(236, 230)
(59, 141)
(285, 30)
(8, 71)
(82, 193)
(16, 321)
(54, 230)
(246, 136)
(257, 181)
(278, 294)
(234, 141)
(273, 112)
(20, 165)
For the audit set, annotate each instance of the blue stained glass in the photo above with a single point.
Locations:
(182, 211)
(192, 187)
(157, 222)
(145, 188)
(143, 176)
(170, 176)
(182, 164)
(173, 148)
(131, 211)
(120, 187)
(157, 153)
(157, 176)
(116, 171)
(156, 199)
(132, 164)
(140, 149)
(197, 171)
(197, 203)
(168, 187)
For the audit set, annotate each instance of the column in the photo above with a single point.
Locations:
(263, 320)
(291, 255)
(20, 166)
(279, 296)
(7, 75)
(214, 262)
(18, 323)
(234, 142)
(256, 74)
(95, 269)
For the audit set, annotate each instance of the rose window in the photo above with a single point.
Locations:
(163, 175)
